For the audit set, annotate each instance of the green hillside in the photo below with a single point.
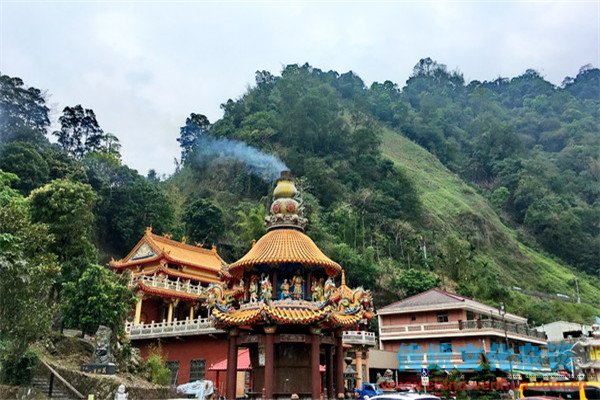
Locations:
(478, 187)
(451, 205)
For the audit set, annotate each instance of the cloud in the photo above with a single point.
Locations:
(144, 67)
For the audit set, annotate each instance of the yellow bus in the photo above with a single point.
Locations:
(561, 390)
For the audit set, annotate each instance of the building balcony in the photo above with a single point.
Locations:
(198, 326)
(461, 329)
(162, 282)
(518, 329)
(360, 338)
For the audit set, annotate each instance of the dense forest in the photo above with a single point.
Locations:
(487, 188)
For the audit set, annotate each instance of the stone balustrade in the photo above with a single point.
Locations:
(197, 326)
(163, 282)
(362, 338)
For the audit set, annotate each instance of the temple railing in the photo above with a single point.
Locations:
(198, 326)
(165, 283)
(362, 338)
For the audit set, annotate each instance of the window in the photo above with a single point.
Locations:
(197, 370)
(442, 317)
(446, 347)
(470, 315)
(413, 317)
(174, 368)
(592, 392)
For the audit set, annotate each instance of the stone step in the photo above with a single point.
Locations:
(42, 385)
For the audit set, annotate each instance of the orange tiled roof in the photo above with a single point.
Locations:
(285, 246)
(295, 315)
(192, 255)
(343, 320)
(238, 317)
(172, 250)
(282, 314)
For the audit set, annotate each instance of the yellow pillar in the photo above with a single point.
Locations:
(366, 363)
(358, 361)
(138, 311)
(191, 312)
(170, 313)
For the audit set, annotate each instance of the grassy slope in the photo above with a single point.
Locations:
(450, 205)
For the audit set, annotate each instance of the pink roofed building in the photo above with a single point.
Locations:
(444, 329)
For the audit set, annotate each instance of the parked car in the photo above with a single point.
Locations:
(367, 390)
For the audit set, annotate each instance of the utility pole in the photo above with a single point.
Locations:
(502, 312)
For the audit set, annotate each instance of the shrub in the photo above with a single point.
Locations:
(156, 368)
(18, 371)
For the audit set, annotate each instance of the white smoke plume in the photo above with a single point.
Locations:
(267, 166)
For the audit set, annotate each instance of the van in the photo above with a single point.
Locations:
(562, 390)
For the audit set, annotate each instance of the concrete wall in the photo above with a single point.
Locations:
(103, 387)
(212, 348)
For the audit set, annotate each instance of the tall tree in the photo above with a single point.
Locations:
(203, 221)
(99, 297)
(195, 126)
(21, 107)
(128, 204)
(80, 132)
(28, 270)
(27, 163)
(67, 208)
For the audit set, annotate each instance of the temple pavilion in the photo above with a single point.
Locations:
(293, 308)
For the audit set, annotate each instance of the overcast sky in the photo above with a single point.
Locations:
(144, 66)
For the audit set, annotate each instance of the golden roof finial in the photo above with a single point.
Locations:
(253, 242)
(214, 248)
(148, 230)
(343, 277)
(184, 239)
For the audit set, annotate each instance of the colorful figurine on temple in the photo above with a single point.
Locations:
(366, 300)
(329, 288)
(297, 281)
(253, 289)
(266, 289)
(285, 290)
(320, 290)
(314, 295)
(317, 289)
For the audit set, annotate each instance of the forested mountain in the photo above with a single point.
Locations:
(479, 187)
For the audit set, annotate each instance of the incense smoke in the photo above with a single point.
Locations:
(266, 166)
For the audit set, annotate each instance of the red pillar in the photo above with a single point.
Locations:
(232, 365)
(315, 374)
(269, 361)
(329, 357)
(339, 364)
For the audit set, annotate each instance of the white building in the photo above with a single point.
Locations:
(560, 330)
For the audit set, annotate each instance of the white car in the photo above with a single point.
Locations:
(405, 396)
